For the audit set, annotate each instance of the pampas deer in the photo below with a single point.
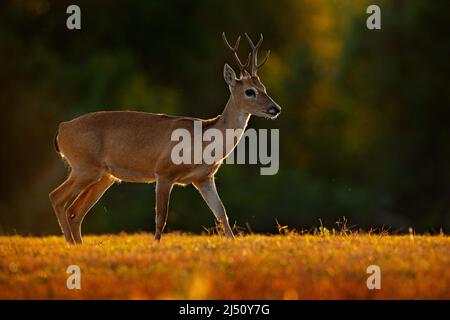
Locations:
(104, 147)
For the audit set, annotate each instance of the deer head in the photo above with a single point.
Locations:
(247, 91)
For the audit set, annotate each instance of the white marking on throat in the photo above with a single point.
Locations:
(243, 119)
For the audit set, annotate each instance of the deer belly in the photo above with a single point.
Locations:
(131, 175)
(196, 173)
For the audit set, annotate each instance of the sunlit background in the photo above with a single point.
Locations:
(364, 131)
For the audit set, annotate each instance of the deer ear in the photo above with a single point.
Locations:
(229, 75)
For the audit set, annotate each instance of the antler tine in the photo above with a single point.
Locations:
(233, 50)
(264, 60)
(255, 48)
(228, 44)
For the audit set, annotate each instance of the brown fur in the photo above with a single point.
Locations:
(108, 146)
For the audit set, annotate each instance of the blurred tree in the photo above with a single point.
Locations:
(364, 129)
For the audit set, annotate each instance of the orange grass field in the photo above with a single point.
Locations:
(211, 267)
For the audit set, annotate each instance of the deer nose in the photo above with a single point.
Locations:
(274, 110)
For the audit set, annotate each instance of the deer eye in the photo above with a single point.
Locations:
(250, 93)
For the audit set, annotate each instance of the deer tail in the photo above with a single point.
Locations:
(55, 142)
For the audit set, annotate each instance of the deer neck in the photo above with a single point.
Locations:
(232, 118)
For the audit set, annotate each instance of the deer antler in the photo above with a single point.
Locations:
(233, 51)
(254, 54)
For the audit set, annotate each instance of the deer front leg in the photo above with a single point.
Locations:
(163, 189)
(207, 189)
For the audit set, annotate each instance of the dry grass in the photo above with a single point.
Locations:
(289, 266)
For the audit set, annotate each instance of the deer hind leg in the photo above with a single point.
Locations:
(207, 189)
(163, 189)
(77, 181)
(84, 203)
(59, 199)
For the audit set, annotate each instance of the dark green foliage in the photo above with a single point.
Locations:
(364, 131)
